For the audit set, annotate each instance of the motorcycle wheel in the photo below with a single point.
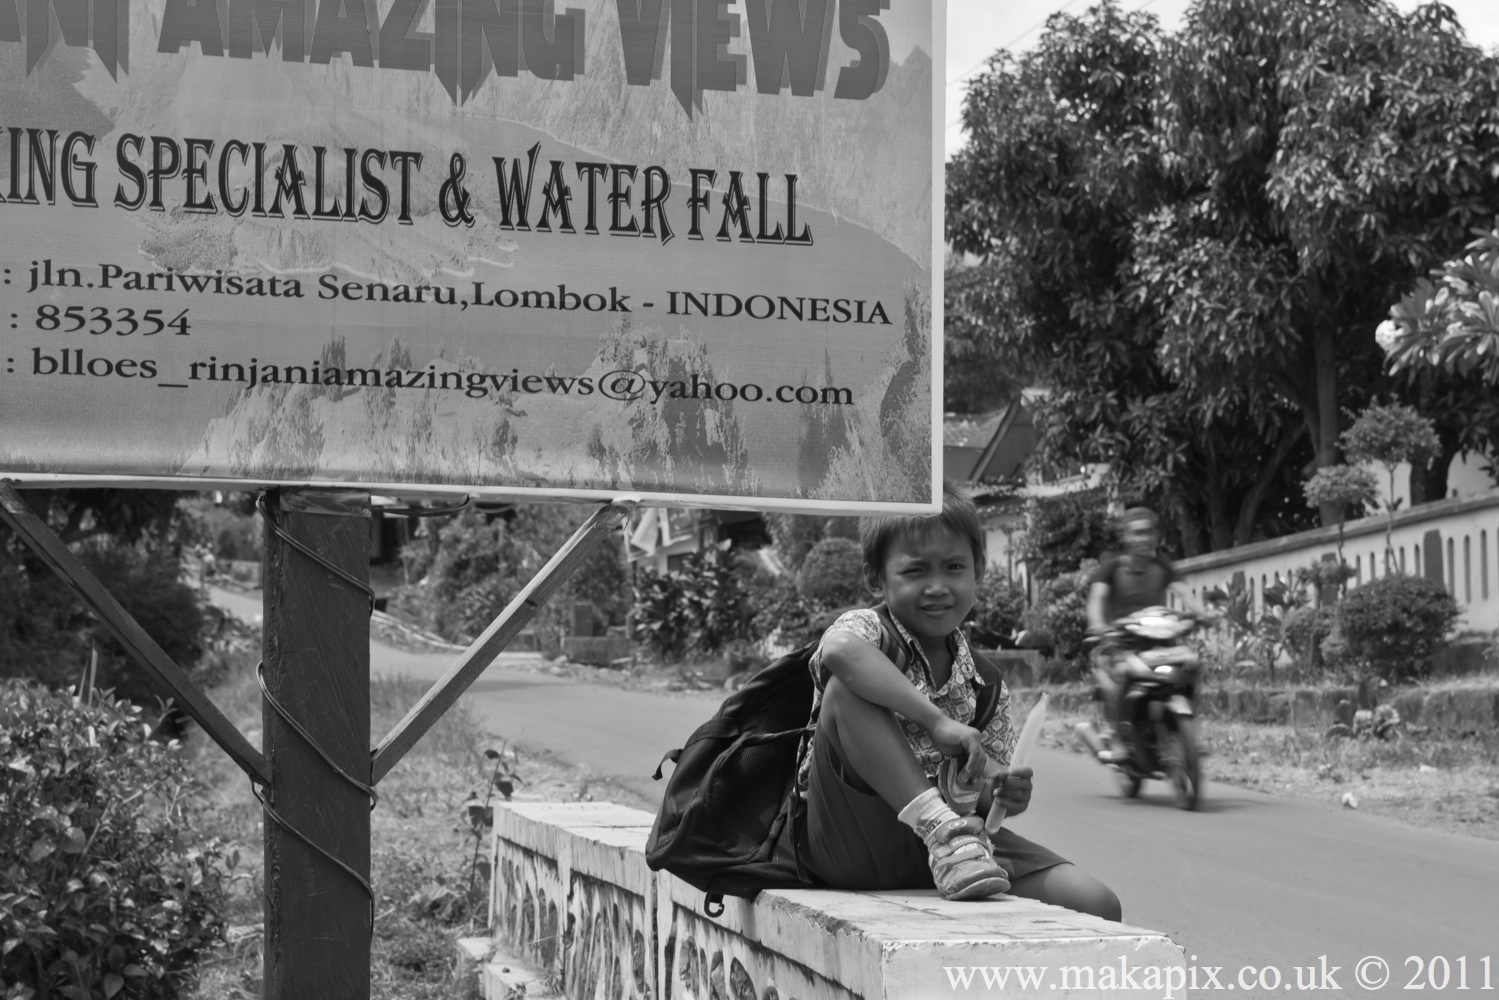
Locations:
(1179, 755)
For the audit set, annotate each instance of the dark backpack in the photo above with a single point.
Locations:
(731, 812)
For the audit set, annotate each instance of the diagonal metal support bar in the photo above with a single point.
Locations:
(141, 647)
(481, 654)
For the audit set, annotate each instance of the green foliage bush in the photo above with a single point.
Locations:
(1390, 434)
(1305, 628)
(795, 535)
(833, 574)
(469, 568)
(701, 608)
(998, 610)
(1063, 531)
(1394, 625)
(1323, 580)
(47, 634)
(1343, 487)
(1061, 612)
(783, 614)
(105, 892)
(230, 530)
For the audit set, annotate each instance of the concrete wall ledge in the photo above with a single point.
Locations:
(571, 893)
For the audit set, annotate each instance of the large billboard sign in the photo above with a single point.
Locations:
(686, 249)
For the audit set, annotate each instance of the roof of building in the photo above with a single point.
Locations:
(970, 430)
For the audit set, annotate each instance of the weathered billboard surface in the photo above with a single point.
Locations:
(679, 248)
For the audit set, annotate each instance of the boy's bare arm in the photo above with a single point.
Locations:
(868, 673)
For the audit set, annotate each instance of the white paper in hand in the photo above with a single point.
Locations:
(1023, 747)
(1030, 732)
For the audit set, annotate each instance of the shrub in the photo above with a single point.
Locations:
(721, 610)
(998, 610)
(794, 535)
(663, 620)
(104, 892)
(1324, 578)
(470, 567)
(46, 634)
(702, 607)
(833, 574)
(781, 613)
(1063, 531)
(1304, 630)
(1394, 625)
(229, 530)
(1061, 612)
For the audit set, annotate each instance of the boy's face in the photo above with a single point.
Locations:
(928, 581)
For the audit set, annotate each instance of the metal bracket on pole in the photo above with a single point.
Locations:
(142, 648)
(497, 636)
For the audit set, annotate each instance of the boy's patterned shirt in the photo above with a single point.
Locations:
(956, 698)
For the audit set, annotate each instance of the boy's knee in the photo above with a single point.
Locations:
(1069, 886)
(1087, 894)
(1099, 900)
(839, 702)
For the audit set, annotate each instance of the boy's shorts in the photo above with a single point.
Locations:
(853, 839)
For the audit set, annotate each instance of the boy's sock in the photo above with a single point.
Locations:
(926, 811)
(963, 866)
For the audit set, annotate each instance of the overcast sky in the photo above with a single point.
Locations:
(978, 28)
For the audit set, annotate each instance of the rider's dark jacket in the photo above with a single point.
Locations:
(1133, 588)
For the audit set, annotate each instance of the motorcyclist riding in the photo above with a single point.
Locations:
(1123, 584)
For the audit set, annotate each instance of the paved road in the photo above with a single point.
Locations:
(1252, 879)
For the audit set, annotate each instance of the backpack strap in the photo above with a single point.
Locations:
(891, 643)
(988, 684)
(671, 755)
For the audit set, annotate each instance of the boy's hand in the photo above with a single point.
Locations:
(955, 739)
(1012, 789)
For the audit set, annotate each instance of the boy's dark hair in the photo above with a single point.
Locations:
(958, 515)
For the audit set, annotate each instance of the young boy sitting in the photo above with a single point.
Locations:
(875, 818)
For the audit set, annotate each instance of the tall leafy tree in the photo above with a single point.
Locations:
(1192, 236)
(1328, 151)
(1064, 161)
(971, 381)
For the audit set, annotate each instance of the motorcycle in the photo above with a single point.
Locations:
(1158, 718)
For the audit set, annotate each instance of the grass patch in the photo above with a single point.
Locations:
(422, 848)
(1433, 779)
(1429, 778)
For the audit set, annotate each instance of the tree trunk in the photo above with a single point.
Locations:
(1191, 530)
(1430, 484)
(1326, 440)
(1220, 519)
(1269, 472)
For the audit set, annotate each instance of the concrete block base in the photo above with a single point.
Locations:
(572, 895)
